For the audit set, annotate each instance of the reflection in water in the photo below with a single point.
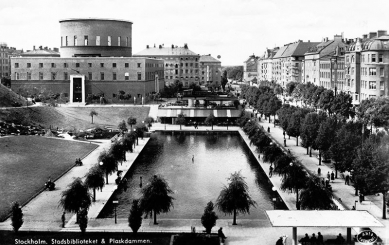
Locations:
(198, 182)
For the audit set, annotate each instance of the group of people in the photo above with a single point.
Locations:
(122, 183)
(50, 184)
(78, 162)
(319, 240)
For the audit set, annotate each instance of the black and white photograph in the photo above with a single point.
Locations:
(194, 122)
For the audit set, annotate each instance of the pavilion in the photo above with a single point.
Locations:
(321, 218)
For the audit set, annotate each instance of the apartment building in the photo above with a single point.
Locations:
(210, 70)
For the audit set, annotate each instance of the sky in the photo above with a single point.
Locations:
(233, 29)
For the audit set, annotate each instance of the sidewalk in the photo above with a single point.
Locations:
(343, 193)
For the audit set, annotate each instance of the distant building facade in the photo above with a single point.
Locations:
(250, 68)
(93, 61)
(180, 63)
(210, 70)
(5, 59)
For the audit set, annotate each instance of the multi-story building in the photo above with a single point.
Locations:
(180, 63)
(323, 63)
(250, 69)
(265, 65)
(99, 64)
(210, 70)
(367, 66)
(5, 59)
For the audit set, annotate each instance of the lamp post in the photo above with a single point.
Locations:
(227, 124)
(274, 189)
(295, 185)
(136, 135)
(106, 174)
(115, 203)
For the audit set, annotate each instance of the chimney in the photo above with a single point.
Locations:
(372, 34)
(33, 47)
(147, 46)
(364, 36)
(381, 33)
(172, 46)
(46, 48)
(160, 46)
(40, 47)
(56, 49)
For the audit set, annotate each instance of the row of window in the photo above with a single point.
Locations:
(65, 76)
(372, 71)
(372, 85)
(371, 58)
(66, 65)
(86, 41)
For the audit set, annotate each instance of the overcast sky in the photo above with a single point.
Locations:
(233, 29)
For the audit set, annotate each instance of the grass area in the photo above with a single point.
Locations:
(26, 162)
(8, 237)
(74, 117)
(8, 97)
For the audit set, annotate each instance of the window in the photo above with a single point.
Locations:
(352, 70)
(372, 85)
(139, 76)
(372, 71)
(101, 76)
(61, 41)
(28, 65)
(52, 65)
(28, 75)
(127, 41)
(89, 65)
(101, 65)
(53, 75)
(352, 59)
(373, 58)
(77, 64)
(40, 65)
(66, 41)
(16, 65)
(65, 65)
(85, 40)
(109, 40)
(114, 76)
(382, 86)
(126, 65)
(138, 65)
(126, 76)
(16, 76)
(114, 65)
(119, 41)
(380, 58)
(65, 76)
(382, 74)
(75, 40)
(90, 76)
(97, 40)
(40, 75)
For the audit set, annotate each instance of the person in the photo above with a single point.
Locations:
(192, 158)
(284, 134)
(332, 176)
(319, 171)
(328, 175)
(140, 183)
(304, 240)
(270, 170)
(353, 208)
(221, 235)
(118, 179)
(259, 156)
(284, 142)
(268, 129)
(323, 183)
(313, 239)
(347, 181)
(320, 239)
(63, 220)
(124, 184)
(340, 239)
(284, 237)
(279, 241)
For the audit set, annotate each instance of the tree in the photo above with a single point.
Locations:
(135, 217)
(93, 113)
(224, 80)
(274, 105)
(325, 136)
(109, 163)
(83, 220)
(210, 120)
(118, 151)
(155, 197)
(17, 216)
(208, 220)
(131, 121)
(235, 198)
(315, 196)
(76, 197)
(309, 130)
(326, 99)
(95, 179)
(271, 153)
(294, 124)
(149, 121)
(295, 179)
(122, 126)
(284, 114)
(342, 106)
(282, 165)
(290, 88)
(316, 96)
(128, 142)
(181, 120)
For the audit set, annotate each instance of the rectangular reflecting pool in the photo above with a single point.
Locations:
(195, 183)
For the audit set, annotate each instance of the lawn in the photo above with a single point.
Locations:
(26, 162)
(75, 117)
(8, 237)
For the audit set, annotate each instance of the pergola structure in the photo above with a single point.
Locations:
(321, 218)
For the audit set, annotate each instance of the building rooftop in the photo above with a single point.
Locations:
(93, 19)
(208, 58)
(41, 53)
(165, 51)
